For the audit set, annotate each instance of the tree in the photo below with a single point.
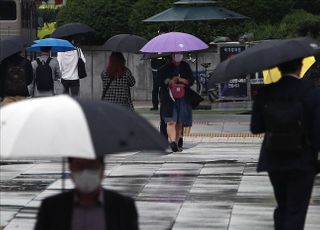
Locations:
(107, 17)
(144, 9)
(261, 11)
(296, 23)
(311, 6)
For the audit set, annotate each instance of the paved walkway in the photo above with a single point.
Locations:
(212, 184)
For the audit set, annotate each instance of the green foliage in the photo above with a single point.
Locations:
(311, 6)
(107, 17)
(260, 11)
(144, 9)
(295, 24)
(48, 15)
(268, 19)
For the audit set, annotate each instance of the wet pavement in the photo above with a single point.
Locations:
(212, 184)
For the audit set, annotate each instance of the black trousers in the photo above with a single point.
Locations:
(155, 89)
(163, 125)
(292, 190)
(71, 87)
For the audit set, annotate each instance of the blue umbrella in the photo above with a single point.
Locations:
(57, 45)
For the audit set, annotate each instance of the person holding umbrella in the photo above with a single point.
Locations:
(117, 80)
(16, 72)
(88, 206)
(176, 78)
(47, 75)
(68, 62)
(287, 152)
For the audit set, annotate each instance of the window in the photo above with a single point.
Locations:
(8, 10)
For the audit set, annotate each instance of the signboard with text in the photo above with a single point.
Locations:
(235, 88)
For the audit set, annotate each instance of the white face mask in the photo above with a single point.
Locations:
(86, 181)
(178, 57)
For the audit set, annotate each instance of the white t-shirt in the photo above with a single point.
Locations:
(68, 62)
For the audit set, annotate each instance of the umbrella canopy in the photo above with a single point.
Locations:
(129, 43)
(147, 56)
(9, 47)
(21, 40)
(72, 29)
(313, 72)
(63, 126)
(193, 10)
(57, 45)
(174, 42)
(263, 56)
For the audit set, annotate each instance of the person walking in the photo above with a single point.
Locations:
(46, 75)
(156, 64)
(116, 81)
(68, 62)
(17, 74)
(176, 78)
(88, 205)
(285, 112)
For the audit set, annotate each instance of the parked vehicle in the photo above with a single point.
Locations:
(18, 17)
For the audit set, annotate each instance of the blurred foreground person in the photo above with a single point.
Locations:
(88, 206)
(15, 76)
(286, 112)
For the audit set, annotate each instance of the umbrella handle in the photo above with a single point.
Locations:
(63, 175)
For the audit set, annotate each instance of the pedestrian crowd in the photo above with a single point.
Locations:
(286, 112)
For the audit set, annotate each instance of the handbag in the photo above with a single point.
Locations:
(194, 98)
(177, 90)
(82, 73)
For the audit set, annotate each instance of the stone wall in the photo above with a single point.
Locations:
(96, 60)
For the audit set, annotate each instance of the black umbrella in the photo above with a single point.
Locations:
(72, 29)
(313, 73)
(128, 43)
(9, 47)
(262, 56)
(21, 40)
(62, 126)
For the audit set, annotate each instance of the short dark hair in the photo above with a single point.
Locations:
(290, 66)
(45, 48)
(163, 29)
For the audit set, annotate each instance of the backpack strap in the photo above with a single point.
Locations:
(48, 60)
(38, 61)
(107, 87)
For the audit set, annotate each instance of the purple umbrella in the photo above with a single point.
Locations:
(174, 42)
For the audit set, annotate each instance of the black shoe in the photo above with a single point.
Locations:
(154, 108)
(180, 142)
(174, 147)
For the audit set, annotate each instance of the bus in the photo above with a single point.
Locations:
(18, 17)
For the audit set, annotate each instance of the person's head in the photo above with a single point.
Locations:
(176, 58)
(163, 30)
(45, 49)
(116, 65)
(291, 67)
(86, 174)
(70, 39)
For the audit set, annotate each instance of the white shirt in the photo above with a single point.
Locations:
(68, 62)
